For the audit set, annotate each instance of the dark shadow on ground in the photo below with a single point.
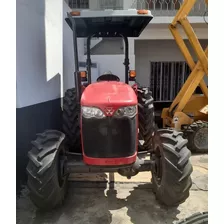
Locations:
(98, 205)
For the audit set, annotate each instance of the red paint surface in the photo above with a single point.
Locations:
(109, 94)
(109, 161)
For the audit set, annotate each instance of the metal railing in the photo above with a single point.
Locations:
(168, 7)
(157, 7)
(166, 79)
(96, 4)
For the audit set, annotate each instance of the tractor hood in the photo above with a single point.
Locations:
(108, 94)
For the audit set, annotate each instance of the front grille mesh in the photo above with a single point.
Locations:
(109, 137)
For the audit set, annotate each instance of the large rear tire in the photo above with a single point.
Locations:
(71, 121)
(197, 218)
(46, 181)
(197, 135)
(146, 117)
(171, 173)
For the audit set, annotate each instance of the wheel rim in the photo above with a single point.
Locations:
(157, 171)
(201, 138)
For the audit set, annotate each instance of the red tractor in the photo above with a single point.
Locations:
(108, 125)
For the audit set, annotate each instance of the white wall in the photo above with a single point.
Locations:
(169, 19)
(45, 57)
(156, 50)
(161, 31)
(38, 51)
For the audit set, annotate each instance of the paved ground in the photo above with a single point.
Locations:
(131, 202)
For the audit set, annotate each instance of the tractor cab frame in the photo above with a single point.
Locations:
(108, 23)
(112, 24)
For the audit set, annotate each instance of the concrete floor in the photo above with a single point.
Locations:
(132, 201)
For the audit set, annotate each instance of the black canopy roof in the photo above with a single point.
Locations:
(110, 23)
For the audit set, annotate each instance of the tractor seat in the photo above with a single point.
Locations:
(108, 76)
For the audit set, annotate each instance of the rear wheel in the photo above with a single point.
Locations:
(47, 180)
(146, 116)
(71, 121)
(197, 135)
(171, 173)
(197, 218)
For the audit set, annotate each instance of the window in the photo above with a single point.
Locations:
(111, 4)
(78, 4)
(166, 79)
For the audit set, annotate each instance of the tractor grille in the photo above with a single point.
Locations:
(109, 137)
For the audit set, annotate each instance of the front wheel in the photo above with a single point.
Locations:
(172, 169)
(47, 180)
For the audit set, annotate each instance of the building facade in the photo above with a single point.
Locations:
(154, 55)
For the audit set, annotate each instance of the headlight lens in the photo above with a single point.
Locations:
(92, 112)
(129, 111)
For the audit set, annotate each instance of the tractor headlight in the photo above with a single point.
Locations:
(129, 111)
(92, 112)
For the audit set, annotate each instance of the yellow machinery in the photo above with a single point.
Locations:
(189, 112)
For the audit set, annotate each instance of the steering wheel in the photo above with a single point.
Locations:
(108, 77)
